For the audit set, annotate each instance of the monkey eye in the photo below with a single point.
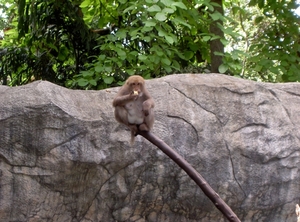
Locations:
(133, 84)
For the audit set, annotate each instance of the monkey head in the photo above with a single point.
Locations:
(136, 85)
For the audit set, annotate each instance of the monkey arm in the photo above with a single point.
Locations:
(147, 106)
(122, 100)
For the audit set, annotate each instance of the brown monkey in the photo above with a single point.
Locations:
(134, 106)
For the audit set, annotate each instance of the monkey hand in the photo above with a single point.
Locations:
(146, 108)
(133, 96)
(146, 112)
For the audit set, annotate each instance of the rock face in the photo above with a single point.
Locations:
(63, 157)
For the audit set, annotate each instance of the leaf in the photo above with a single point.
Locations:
(167, 68)
(255, 59)
(121, 33)
(206, 38)
(188, 55)
(63, 52)
(224, 41)
(214, 37)
(108, 80)
(194, 46)
(166, 61)
(161, 32)
(143, 57)
(168, 10)
(160, 16)
(87, 73)
(217, 16)
(147, 38)
(230, 31)
(223, 68)
(101, 57)
(194, 31)
(169, 39)
(235, 9)
(152, 1)
(63, 48)
(265, 62)
(61, 56)
(157, 50)
(134, 32)
(134, 53)
(258, 19)
(252, 3)
(85, 4)
(218, 53)
(130, 71)
(179, 5)
(179, 20)
(154, 8)
(258, 68)
(284, 63)
(120, 52)
(150, 23)
(176, 65)
(93, 82)
(291, 59)
(214, 4)
(261, 3)
(160, 53)
(275, 70)
(130, 8)
(99, 68)
(108, 68)
(82, 82)
(209, 6)
(146, 29)
(147, 76)
(166, 2)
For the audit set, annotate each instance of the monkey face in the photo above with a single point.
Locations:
(136, 88)
(136, 84)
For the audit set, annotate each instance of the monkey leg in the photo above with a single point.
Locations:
(121, 115)
(148, 122)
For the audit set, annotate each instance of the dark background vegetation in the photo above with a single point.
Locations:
(94, 44)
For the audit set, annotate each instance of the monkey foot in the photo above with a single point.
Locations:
(143, 127)
(133, 129)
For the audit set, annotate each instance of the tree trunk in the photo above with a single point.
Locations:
(216, 45)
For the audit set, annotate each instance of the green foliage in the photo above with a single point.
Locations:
(51, 39)
(267, 47)
(94, 44)
(61, 39)
(153, 38)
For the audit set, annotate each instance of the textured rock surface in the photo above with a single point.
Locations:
(63, 157)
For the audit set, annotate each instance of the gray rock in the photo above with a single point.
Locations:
(63, 157)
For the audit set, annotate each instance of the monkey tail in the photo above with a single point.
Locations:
(133, 134)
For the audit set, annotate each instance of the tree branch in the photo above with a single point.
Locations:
(200, 181)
